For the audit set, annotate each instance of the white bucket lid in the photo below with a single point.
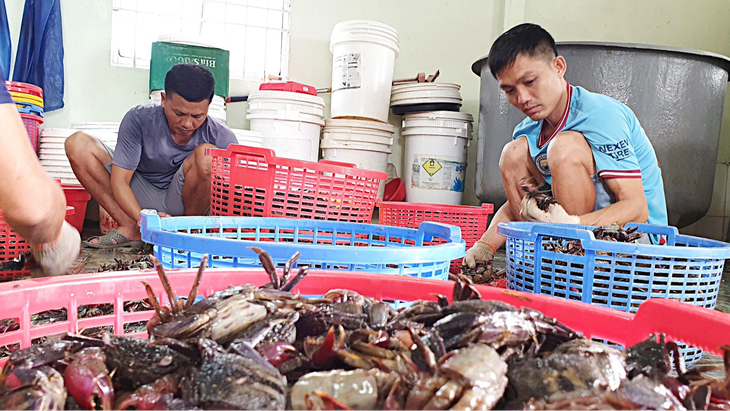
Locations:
(433, 116)
(57, 132)
(367, 31)
(350, 134)
(360, 124)
(355, 145)
(286, 96)
(419, 93)
(241, 133)
(440, 123)
(106, 126)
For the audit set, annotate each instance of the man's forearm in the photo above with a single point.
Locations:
(621, 212)
(126, 199)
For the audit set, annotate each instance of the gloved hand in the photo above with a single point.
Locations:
(56, 258)
(529, 211)
(480, 251)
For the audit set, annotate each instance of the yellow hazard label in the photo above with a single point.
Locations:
(432, 166)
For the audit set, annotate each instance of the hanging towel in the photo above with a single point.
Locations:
(5, 46)
(39, 59)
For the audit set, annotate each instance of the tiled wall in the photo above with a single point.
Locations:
(714, 224)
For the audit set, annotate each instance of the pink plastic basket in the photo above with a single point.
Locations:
(32, 126)
(472, 220)
(704, 328)
(253, 182)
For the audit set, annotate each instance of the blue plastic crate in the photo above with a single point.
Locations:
(181, 242)
(612, 274)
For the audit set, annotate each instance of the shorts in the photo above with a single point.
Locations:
(167, 200)
(604, 196)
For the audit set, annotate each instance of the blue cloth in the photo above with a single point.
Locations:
(5, 46)
(619, 144)
(5, 97)
(144, 144)
(39, 59)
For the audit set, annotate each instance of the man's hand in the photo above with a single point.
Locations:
(479, 252)
(57, 257)
(529, 211)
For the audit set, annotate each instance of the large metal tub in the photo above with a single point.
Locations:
(678, 96)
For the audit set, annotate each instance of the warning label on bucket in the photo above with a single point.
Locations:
(346, 72)
(432, 173)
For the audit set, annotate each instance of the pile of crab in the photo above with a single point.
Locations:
(251, 347)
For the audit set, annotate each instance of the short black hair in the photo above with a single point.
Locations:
(192, 82)
(527, 38)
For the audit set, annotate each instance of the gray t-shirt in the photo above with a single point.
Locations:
(145, 145)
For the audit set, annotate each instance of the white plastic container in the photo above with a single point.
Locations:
(364, 143)
(425, 93)
(290, 123)
(436, 146)
(248, 137)
(363, 59)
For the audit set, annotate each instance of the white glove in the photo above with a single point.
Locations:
(529, 211)
(477, 253)
(56, 258)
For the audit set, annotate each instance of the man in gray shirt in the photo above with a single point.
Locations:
(159, 162)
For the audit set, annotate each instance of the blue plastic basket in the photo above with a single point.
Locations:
(612, 274)
(181, 242)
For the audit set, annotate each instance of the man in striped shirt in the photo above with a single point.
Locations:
(588, 148)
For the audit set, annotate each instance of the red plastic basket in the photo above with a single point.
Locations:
(253, 182)
(76, 197)
(32, 124)
(12, 245)
(472, 220)
(704, 328)
(24, 88)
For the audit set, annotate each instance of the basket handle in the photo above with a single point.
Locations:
(697, 326)
(449, 232)
(670, 232)
(337, 163)
(237, 149)
(149, 222)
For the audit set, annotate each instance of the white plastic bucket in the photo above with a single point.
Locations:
(248, 137)
(290, 123)
(424, 93)
(436, 146)
(363, 59)
(364, 143)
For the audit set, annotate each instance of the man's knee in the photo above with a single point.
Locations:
(79, 145)
(516, 152)
(200, 163)
(569, 147)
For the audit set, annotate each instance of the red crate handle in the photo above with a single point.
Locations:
(337, 163)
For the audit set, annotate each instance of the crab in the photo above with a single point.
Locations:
(615, 232)
(541, 194)
(223, 315)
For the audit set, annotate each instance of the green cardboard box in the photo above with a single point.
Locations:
(166, 55)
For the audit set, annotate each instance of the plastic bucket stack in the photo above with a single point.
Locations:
(248, 138)
(364, 143)
(217, 108)
(54, 161)
(289, 122)
(435, 164)
(29, 101)
(363, 59)
(106, 132)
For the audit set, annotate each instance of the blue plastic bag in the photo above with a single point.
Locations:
(39, 59)
(5, 46)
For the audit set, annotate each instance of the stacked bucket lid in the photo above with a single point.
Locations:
(53, 155)
(106, 132)
(29, 102)
(437, 137)
(248, 138)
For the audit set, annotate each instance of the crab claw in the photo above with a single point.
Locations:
(87, 380)
(279, 353)
(327, 352)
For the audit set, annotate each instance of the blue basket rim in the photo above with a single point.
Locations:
(162, 232)
(700, 247)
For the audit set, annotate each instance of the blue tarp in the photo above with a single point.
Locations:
(39, 59)
(5, 46)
